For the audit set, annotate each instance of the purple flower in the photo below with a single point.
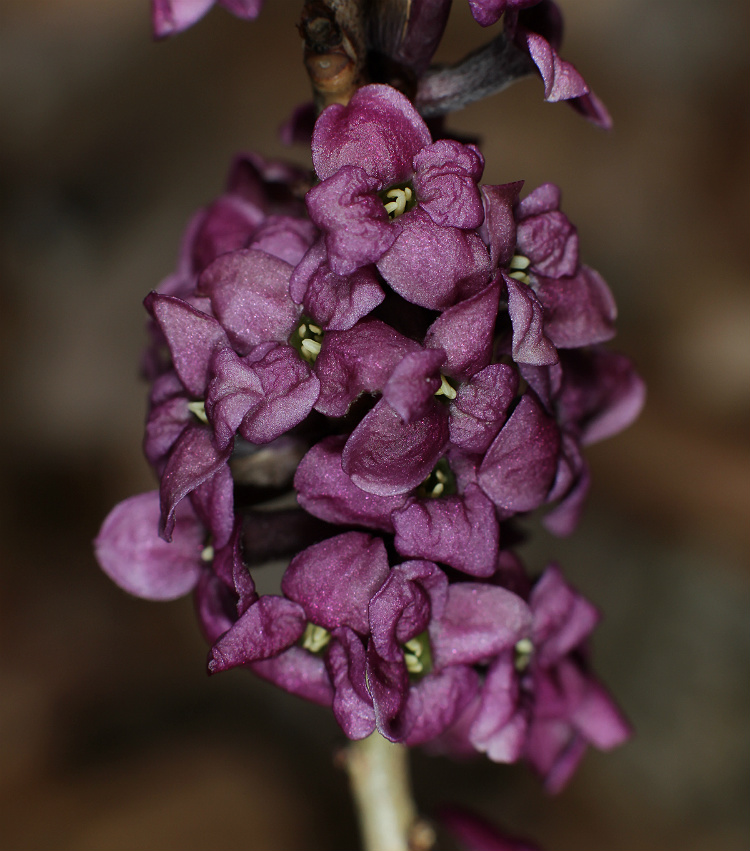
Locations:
(391, 197)
(169, 17)
(539, 701)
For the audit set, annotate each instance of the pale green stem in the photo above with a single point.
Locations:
(379, 776)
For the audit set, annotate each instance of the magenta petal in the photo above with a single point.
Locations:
(165, 424)
(434, 266)
(499, 728)
(550, 241)
(519, 467)
(599, 720)
(269, 626)
(459, 531)
(213, 502)
(436, 701)
(284, 237)
(561, 80)
(413, 383)
(386, 456)
(498, 230)
(389, 686)
(355, 361)
(298, 672)
(132, 554)
(249, 292)
(445, 180)
(191, 335)
(481, 406)
(530, 344)
(335, 580)
(479, 622)
(398, 612)
(169, 17)
(193, 461)
(263, 395)
(379, 131)
(563, 619)
(346, 664)
(465, 331)
(353, 219)
(325, 491)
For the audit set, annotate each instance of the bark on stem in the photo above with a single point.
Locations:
(379, 777)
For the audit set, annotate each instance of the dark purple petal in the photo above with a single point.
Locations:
(298, 672)
(530, 344)
(479, 622)
(544, 199)
(413, 383)
(445, 181)
(213, 502)
(263, 395)
(335, 302)
(165, 424)
(481, 406)
(549, 240)
(191, 336)
(465, 332)
(193, 461)
(325, 490)
(389, 687)
(379, 131)
(561, 80)
(386, 456)
(354, 221)
(226, 225)
(358, 360)
(249, 292)
(488, 12)
(232, 571)
(398, 612)
(130, 551)
(476, 834)
(601, 393)
(270, 625)
(435, 702)
(519, 466)
(578, 311)
(460, 531)
(346, 664)
(215, 606)
(498, 230)
(335, 580)
(434, 266)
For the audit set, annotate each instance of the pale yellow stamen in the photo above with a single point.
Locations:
(310, 349)
(521, 276)
(315, 638)
(207, 554)
(445, 389)
(413, 650)
(397, 207)
(198, 409)
(438, 489)
(520, 262)
(524, 648)
(314, 329)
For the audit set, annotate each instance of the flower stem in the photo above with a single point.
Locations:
(379, 777)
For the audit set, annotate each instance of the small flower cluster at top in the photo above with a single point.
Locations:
(416, 358)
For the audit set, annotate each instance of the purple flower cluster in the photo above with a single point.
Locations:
(416, 359)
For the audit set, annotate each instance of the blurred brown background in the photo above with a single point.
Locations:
(111, 735)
